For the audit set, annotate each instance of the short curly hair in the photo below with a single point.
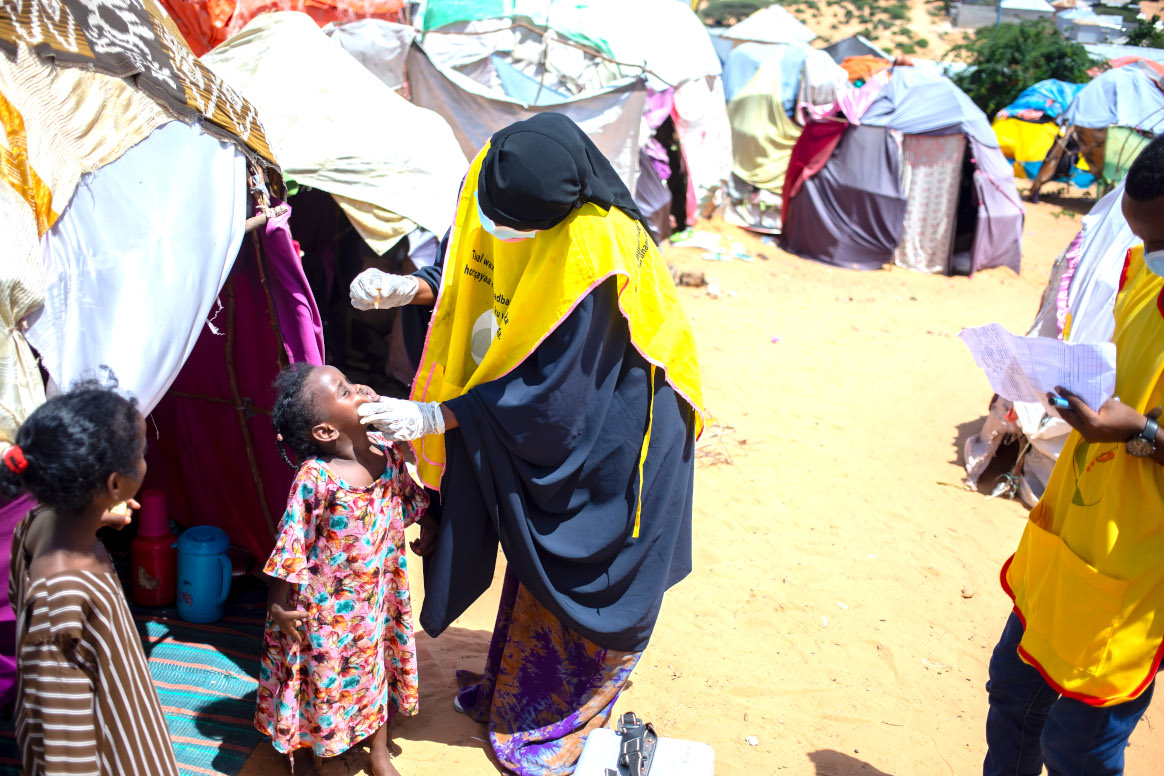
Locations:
(73, 443)
(296, 412)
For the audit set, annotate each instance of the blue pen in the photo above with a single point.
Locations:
(1059, 403)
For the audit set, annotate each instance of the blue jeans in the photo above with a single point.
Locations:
(1030, 725)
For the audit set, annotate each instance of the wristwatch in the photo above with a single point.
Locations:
(1144, 445)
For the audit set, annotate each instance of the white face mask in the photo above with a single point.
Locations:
(503, 233)
(1155, 262)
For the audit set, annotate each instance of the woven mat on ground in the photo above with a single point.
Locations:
(205, 676)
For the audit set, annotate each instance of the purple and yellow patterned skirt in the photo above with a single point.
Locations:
(544, 687)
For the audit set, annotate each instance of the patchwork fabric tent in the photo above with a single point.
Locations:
(1076, 306)
(485, 65)
(207, 23)
(129, 174)
(1112, 118)
(390, 165)
(943, 200)
(778, 82)
(1027, 129)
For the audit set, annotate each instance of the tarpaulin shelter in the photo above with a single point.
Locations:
(1076, 306)
(130, 171)
(942, 196)
(336, 127)
(358, 156)
(485, 65)
(855, 46)
(1112, 118)
(1027, 129)
(773, 24)
(206, 23)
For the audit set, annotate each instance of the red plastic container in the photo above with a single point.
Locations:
(154, 557)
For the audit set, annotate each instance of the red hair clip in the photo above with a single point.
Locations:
(14, 459)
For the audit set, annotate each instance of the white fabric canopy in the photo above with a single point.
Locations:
(378, 45)
(135, 262)
(1106, 240)
(336, 127)
(611, 118)
(770, 25)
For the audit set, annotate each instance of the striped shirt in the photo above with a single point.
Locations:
(85, 703)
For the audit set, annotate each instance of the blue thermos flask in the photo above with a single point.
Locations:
(203, 573)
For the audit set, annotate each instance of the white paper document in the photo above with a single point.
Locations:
(1025, 369)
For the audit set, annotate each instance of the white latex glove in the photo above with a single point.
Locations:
(376, 290)
(403, 421)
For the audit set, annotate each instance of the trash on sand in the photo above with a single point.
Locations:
(692, 239)
(713, 290)
(752, 741)
(967, 592)
(824, 622)
(775, 340)
(842, 605)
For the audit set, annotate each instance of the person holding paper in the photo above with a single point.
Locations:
(1076, 664)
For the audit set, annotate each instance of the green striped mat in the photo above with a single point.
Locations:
(205, 678)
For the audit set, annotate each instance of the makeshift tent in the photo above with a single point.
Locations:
(485, 65)
(854, 46)
(1027, 130)
(1130, 97)
(762, 140)
(206, 23)
(350, 145)
(773, 24)
(136, 169)
(336, 127)
(942, 198)
(763, 80)
(1076, 306)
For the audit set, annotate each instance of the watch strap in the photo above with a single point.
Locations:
(1149, 432)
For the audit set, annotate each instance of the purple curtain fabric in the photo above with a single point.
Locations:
(653, 199)
(998, 237)
(659, 105)
(10, 516)
(212, 472)
(295, 307)
(851, 213)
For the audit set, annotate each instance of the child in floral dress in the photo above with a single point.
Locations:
(339, 660)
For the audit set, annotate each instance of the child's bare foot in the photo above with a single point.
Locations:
(382, 762)
(303, 763)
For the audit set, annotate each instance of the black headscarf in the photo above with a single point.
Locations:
(538, 170)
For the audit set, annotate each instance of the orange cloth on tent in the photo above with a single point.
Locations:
(864, 67)
(1132, 59)
(206, 23)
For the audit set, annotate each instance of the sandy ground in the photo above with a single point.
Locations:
(826, 614)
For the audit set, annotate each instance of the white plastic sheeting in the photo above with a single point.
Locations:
(378, 45)
(1095, 285)
(1127, 96)
(135, 262)
(336, 127)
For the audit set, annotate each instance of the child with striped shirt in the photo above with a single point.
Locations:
(85, 703)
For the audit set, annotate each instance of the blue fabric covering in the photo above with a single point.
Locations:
(524, 88)
(1051, 96)
(1125, 97)
(918, 103)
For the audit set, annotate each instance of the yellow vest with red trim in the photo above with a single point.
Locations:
(1088, 576)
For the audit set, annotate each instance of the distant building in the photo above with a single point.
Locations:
(1084, 25)
(972, 14)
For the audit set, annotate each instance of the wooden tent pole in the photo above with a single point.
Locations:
(240, 410)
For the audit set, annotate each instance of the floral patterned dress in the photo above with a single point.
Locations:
(342, 548)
